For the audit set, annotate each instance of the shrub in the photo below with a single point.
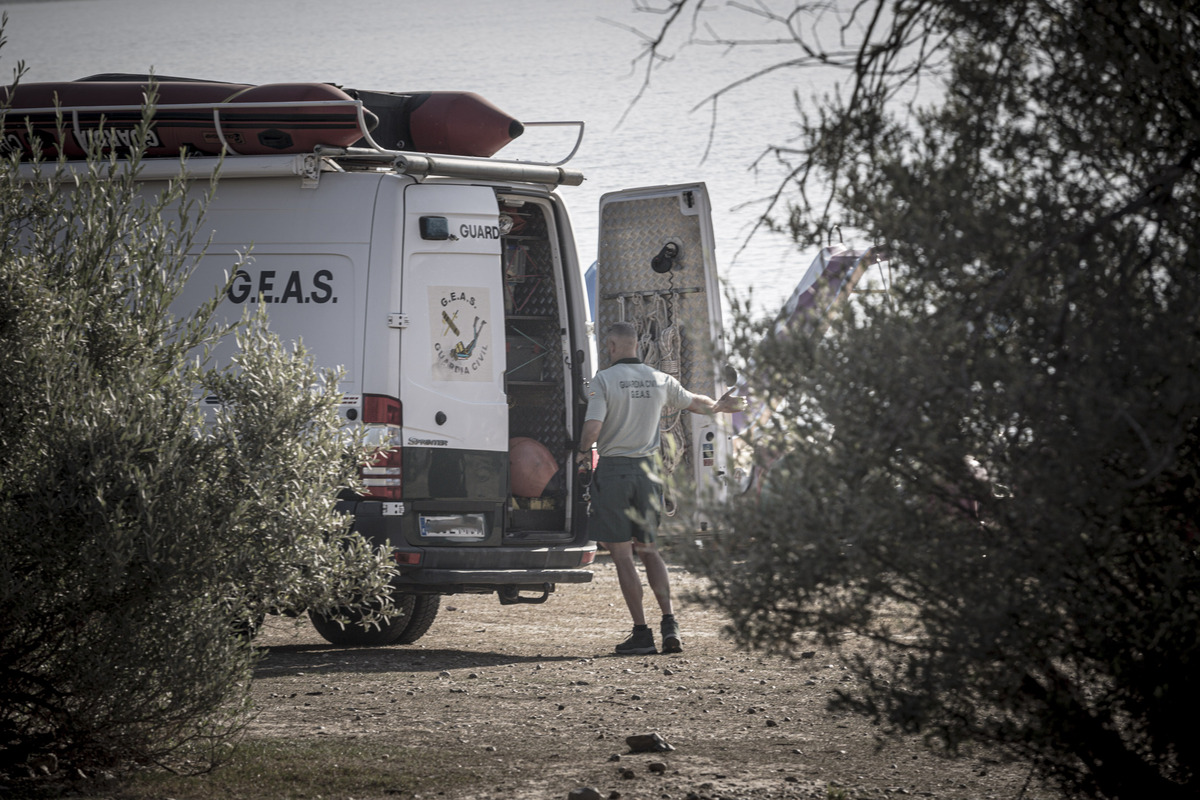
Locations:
(137, 538)
(989, 484)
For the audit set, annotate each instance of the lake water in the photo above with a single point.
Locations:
(536, 59)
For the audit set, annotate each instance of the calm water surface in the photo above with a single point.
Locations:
(536, 59)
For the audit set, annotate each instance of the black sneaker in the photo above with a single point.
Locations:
(672, 642)
(639, 643)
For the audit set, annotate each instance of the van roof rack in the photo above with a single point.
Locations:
(109, 112)
(309, 166)
(423, 165)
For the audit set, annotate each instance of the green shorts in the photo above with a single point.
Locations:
(622, 486)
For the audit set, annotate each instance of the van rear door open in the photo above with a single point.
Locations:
(452, 360)
(656, 269)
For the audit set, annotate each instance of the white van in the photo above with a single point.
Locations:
(448, 289)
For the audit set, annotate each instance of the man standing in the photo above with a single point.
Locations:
(625, 405)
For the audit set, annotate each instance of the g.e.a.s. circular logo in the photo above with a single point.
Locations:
(461, 337)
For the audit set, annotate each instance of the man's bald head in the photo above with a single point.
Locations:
(623, 337)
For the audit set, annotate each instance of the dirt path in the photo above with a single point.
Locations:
(530, 702)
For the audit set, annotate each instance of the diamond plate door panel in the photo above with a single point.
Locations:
(657, 269)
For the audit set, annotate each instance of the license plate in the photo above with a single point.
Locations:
(459, 527)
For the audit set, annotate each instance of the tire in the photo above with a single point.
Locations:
(425, 610)
(355, 635)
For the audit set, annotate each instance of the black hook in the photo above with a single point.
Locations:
(665, 260)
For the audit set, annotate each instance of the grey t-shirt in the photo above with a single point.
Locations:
(629, 398)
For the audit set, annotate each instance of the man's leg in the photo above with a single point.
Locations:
(627, 576)
(641, 641)
(613, 492)
(660, 584)
(656, 575)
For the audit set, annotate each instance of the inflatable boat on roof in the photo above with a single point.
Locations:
(450, 123)
(208, 117)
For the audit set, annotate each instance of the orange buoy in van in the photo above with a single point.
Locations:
(531, 465)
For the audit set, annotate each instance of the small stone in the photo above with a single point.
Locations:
(648, 743)
(614, 757)
(628, 774)
(657, 767)
(583, 793)
(772, 723)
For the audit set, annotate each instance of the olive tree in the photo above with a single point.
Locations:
(139, 539)
(986, 490)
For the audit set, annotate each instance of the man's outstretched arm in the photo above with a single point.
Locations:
(728, 404)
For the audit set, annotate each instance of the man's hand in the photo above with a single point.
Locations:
(728, 404)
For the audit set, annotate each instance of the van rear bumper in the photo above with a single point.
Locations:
(507, 583)
(471, 567)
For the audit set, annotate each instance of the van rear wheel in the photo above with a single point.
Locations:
(353, 634)
(425, 610)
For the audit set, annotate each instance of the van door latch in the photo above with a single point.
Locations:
(398, 320)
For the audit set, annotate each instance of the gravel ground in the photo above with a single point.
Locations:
(533, 703)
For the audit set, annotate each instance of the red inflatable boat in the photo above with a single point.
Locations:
(190, 116)
(204, 117)
(452, 123)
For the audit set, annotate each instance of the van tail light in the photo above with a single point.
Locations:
(380, 409)
(383, 478)
(406, 559)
